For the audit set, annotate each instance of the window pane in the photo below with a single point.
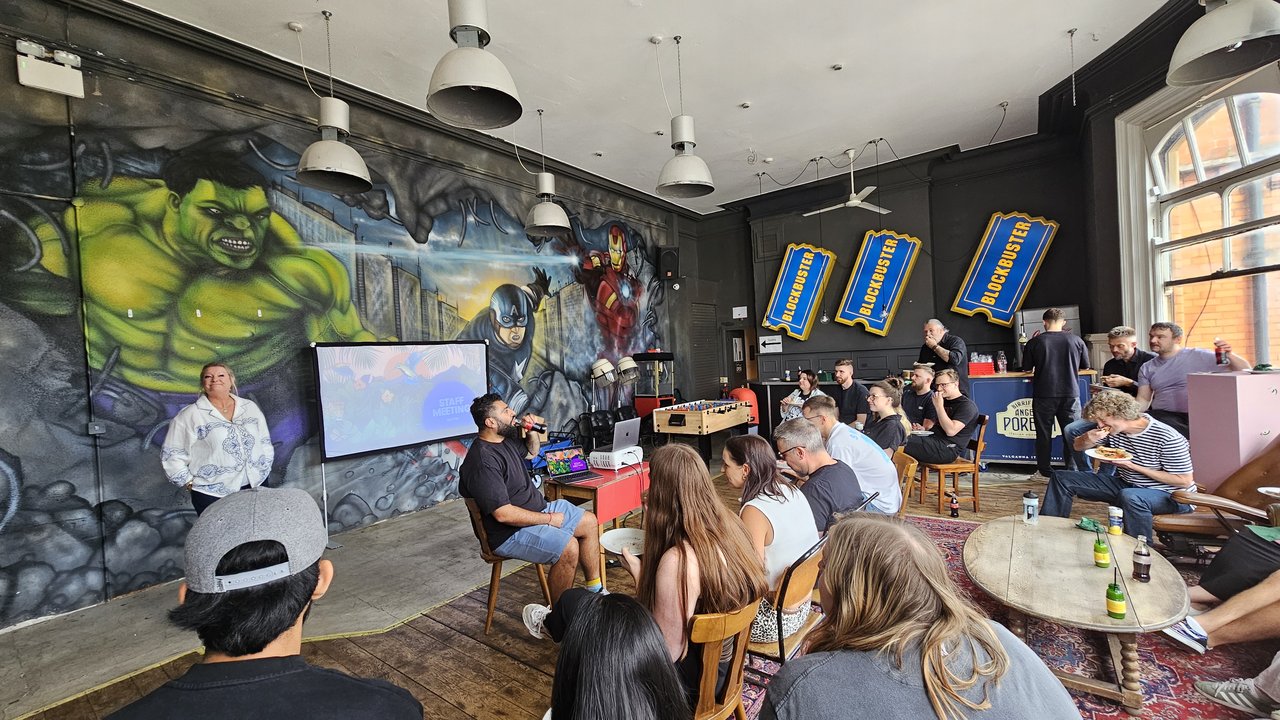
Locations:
(1194, 216)
(1260, 124)
(1256, 249)
(1175, 161)
(1239, 310)
(1192, 261)
(1255, 199)
(1215, 140)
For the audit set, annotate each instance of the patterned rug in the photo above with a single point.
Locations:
(1168, 672)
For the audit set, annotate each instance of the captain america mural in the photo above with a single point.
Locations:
(507, 325)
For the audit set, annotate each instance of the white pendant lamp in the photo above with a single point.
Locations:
(686, 175)
(1233, 38)
(329, 164)
(546, 219)
(470, 87)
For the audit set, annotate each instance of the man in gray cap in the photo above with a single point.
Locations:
(253, 569)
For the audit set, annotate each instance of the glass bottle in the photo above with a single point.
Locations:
(1101, 553)
(1116, 604)
(1142, 561)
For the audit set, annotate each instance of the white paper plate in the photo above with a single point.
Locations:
(1093, 453)
(1270, 491)
(618, 538)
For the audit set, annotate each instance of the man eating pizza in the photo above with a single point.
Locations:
(1151, 460)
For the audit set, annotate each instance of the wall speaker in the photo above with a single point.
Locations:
(669, 263)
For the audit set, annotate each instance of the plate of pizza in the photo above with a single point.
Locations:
(1108, 454)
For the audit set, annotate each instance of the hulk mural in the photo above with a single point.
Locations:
(162, 259)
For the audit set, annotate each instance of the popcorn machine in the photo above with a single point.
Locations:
(657, 384)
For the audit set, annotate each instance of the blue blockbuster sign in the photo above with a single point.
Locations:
(1004, 266)
(879, 278)
(798, 289)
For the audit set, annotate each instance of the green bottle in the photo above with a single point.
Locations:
(1101, 552)
(1116, 604)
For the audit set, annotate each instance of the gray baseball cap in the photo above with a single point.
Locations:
(287, 515)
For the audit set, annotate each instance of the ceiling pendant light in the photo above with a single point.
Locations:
(329, 164)
(1233, 38)
(685, 175)
(470, 87)
(546, 219)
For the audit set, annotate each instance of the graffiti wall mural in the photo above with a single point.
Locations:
(166, 231)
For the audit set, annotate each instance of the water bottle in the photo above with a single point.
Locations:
(1142, 561)
(1002, 363)
(1030, 508)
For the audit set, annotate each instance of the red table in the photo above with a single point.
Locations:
(614, 494)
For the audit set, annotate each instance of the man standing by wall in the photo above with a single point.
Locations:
(1056, 357)
(1121, 373)
(1162, 382)
(850, 396)
(946, 351)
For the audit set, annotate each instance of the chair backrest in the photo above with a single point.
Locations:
(978, 442)
(907, 467)
(711, 631)
(1242, 485)
(477, 526)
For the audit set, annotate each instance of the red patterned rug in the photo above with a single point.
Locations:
(1168, 672)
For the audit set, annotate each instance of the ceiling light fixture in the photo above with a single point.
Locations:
(686, 175)
(1233, 38)
(470, 87)
(329, 164)
(546, 219)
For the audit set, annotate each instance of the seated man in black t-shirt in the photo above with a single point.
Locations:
(831, 486)
(519, 521)
(955, 419)
(253, 568)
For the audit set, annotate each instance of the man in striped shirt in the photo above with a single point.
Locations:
(1159, 463)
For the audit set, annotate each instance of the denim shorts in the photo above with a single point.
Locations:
(543, 543)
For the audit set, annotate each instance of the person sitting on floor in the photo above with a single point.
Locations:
(1156, 460)
(899, 640)
(829, 485)
(779, 521)
(697, 558)
(955, 419)
(886, 425)
(519, 521)
(873, 469)
(253, 571)
(613, 664)
(1255, 695)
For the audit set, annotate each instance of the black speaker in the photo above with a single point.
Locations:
(669, 263)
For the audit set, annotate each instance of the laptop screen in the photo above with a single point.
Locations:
(566, 461)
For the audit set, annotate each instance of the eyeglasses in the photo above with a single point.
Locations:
(942, 384)
(783, 455)
(876, 397)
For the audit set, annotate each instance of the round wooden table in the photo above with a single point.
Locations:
(1046, 571)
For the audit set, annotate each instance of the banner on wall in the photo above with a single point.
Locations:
(879, 278)
(1004, 266)
(798, 289)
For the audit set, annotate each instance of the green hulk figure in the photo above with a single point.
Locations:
(191, 268)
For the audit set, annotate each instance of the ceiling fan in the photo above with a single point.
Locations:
(856, 198)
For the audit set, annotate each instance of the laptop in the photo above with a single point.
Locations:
(568, 465)
(626, 433)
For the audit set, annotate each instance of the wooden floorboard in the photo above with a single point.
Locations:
(445, 659)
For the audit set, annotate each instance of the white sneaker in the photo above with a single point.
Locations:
(1037, 477)
(535, 618)
(1240, 694)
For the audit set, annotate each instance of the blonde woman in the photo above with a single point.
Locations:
(219, 444)
(900, 641)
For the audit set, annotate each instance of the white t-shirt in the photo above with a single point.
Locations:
(793, 530)
(874, 469)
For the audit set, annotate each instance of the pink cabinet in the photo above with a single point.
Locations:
(1234, 416)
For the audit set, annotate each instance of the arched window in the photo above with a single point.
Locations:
(1217, 239)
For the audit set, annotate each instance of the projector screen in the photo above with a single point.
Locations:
(382, 396)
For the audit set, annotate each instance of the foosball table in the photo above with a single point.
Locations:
(701, 418)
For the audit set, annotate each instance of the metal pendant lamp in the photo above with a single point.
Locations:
(1233, 38)
(470, 87)
(686, 175)
(329, 164)
(546, 219)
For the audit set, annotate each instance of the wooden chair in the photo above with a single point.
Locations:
(907, 467)
(797, 586)
(487, 554)
(955, 469)
(1224, 512)
(711, 630)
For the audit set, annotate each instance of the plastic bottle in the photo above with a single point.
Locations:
(1030, 508)
(786, 374)
(1101, 553)
(1142, 561)
(1218, 355)
(1115, 521)
(954, 505)
(1002, 362)
(1116, 604)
